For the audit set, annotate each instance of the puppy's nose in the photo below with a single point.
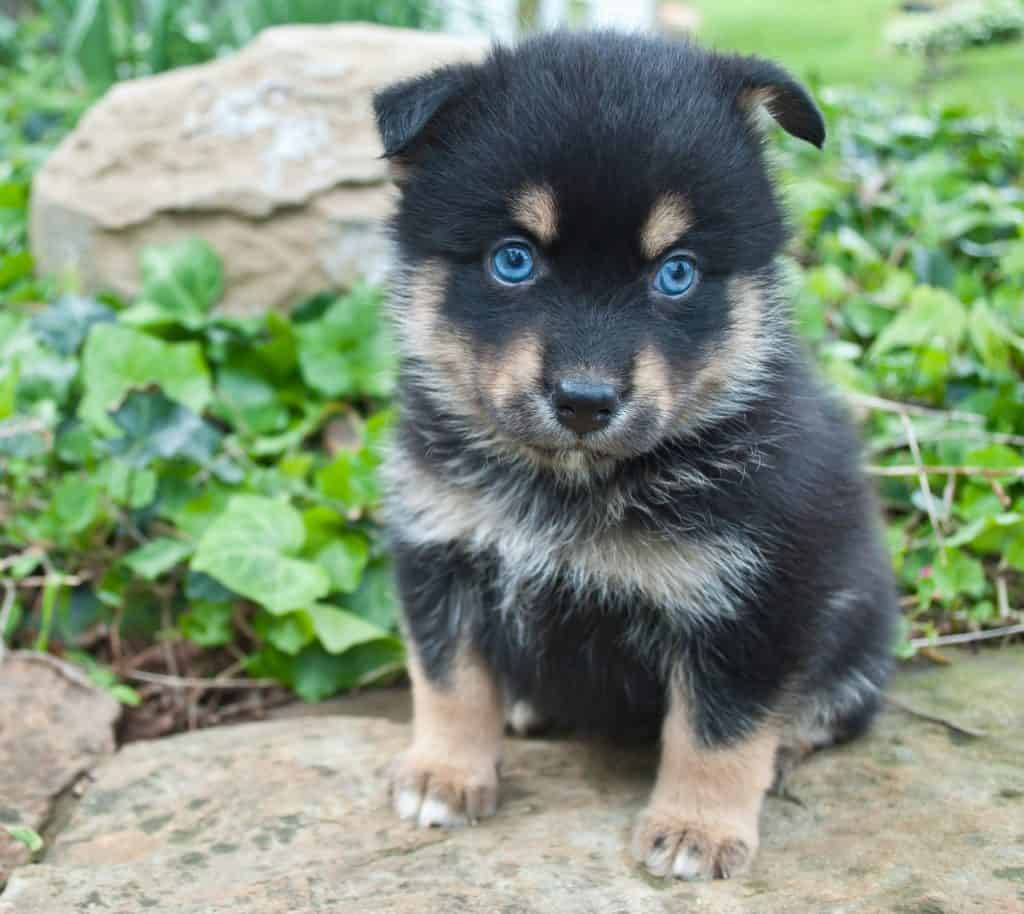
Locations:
(584, 406)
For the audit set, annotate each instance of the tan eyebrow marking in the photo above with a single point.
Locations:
(669, 218)
(536, 210)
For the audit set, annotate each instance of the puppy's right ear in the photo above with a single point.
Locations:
(410, 111)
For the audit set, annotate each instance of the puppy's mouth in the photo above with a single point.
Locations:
(532, 428)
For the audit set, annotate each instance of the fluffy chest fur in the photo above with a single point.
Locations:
(589, 546)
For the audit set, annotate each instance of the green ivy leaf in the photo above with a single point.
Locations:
(993, 340)
(66, 323)
(248, 548)
(118, 359)
(13, 622)
(182, 280)
(26, 836)
(344, 560)
(960, 574)
(347, 351)
(995, 456)
(376, 599)
(154, 426)
(338, 630)
(207, 624)
(156, 557)
(8, 388)
(76, 503)
(128, 485)
(251, 402)
(289, 633)
(89, 44)
(1014, 553)
(351, 478)
(14, 267)
(933, 318)
(317, 675)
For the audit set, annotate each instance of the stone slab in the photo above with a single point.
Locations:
(55, 726)
(271, 154)
(290, 816)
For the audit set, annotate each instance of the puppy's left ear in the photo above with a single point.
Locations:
(765, 86)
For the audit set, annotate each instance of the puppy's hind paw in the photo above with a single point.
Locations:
(441, 794)
(522, 719)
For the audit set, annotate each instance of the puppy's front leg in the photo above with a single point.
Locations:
(449, 775)
(702, 818)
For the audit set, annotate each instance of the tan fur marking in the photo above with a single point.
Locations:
(741, 343)
(757, 104)
(428, 288)
(536, 210)
(449, 776)
(652, 381)
(398, 171)
(670, 217)
(702, 819)
(426, 336)
(462, 720)
(518, 367)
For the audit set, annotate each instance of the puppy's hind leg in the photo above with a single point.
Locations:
(522, 719)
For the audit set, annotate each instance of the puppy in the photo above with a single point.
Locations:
(618, 499)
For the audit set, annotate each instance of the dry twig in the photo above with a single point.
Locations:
(968, 637)
(24, 427)
(926, 489)
(191, 682)
(933, 719)
(934, 470)
(5, 613)
(894, 406)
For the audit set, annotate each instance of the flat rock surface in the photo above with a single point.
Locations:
(55, 726)
(289, 816)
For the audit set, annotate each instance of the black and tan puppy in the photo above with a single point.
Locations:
(619, 499)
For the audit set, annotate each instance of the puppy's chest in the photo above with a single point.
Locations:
(539, 549)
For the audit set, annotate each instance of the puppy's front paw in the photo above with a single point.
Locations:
(448, 793)
(672, 845)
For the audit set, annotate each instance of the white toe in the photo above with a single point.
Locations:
(437, 812)
(407, 803)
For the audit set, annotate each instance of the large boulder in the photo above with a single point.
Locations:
(271, 154)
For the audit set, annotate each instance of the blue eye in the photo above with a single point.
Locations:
(513, 262)
(676, 275)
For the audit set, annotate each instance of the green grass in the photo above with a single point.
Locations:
(842, 42)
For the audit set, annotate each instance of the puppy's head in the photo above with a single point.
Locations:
(585, 230)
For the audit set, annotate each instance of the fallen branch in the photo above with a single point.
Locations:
(926, 489)
(967, 637)
(14, 428)
(5, 613)
(13, 560)
(894, 406)
(955, 434)
(933, 470)
(933, 719)
(190, 682)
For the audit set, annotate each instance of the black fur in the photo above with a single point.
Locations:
(758, 477)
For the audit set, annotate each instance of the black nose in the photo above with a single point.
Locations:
(584, 406)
